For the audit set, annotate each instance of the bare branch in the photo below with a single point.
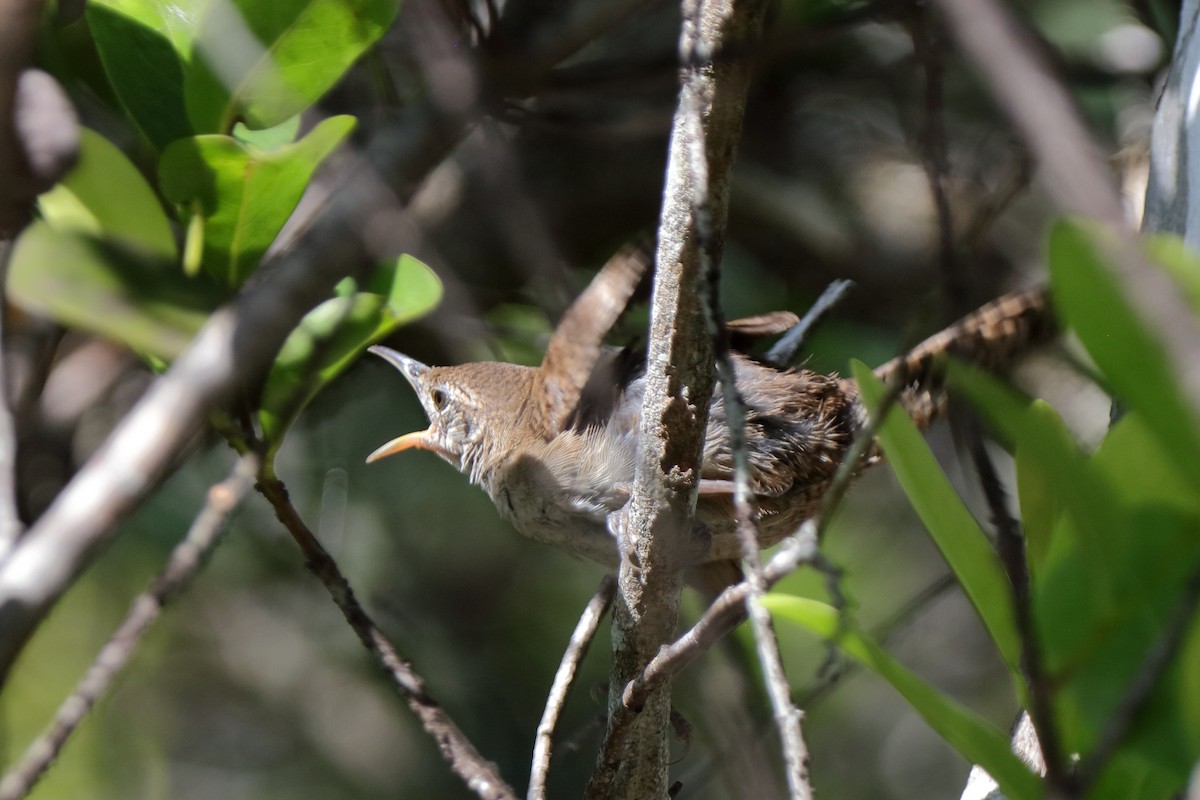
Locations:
(656, 525)
(697, 96)
(184, 562)
(479, 774)
(229, 355)
(581, 640)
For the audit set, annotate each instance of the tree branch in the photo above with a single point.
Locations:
(656, 526)
(697, 96)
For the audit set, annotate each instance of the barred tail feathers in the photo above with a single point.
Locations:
(993, 337)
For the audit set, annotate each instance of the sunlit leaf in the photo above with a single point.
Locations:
(966, 732)
(332, 335)
(269, 138)
(262, 63)
(144, 45)
(245, 194)
(956, 533)
(105, 196)
(101, 287)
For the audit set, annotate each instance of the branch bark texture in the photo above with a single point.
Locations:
(657, 526)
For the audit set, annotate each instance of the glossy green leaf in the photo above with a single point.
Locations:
(144, 46)
(966, 732)
(956, 533)
(333, 334)
(1131, 359)
(105, 196)
(101, 287)
(304, 48)
(245, 194)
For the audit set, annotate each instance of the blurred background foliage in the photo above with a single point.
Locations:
(252, 686)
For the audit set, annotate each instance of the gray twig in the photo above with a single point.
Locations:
(184, 562)
(696, 97)
(656, 523)
(581, 640)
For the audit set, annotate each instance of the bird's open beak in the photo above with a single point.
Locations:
(411, 369)
(418, 440)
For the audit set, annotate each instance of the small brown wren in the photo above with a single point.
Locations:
(554, 446)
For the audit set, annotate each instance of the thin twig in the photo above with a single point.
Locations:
(1010, 545)
(184, 562)
(697, 95)
(481, 776)
(564, 678)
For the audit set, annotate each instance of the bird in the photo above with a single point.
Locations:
(555, 446)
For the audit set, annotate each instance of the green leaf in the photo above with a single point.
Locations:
(105, 196)
(1136, 364)
(966, 732)
(245, 194)
(333, 334)
(144, 45)
(956, 533)
(104, 288)
(304, 48)
(1047, 454)
(269, 138)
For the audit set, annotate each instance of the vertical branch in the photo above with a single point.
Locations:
(656, 527)
(697, 96)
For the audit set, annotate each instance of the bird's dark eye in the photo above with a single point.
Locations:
(439, 399)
